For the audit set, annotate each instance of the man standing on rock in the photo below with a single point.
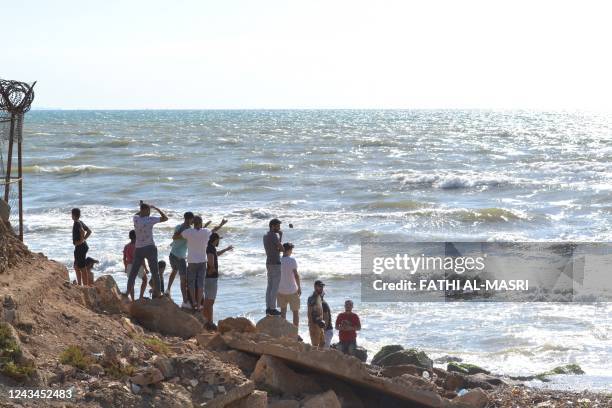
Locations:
(178, 258)
(80, 233)
(272, 245)
(197, 241)
(348, 324)
(145, 246)
(316, 323)
(289, 288)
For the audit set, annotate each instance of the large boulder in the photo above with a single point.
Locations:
(465, 368)
(271, 373)
(236, 324)
(104, 296)
(396, 371)
(163, 316)
(146, 376)
(475, 398)
(327, 399)
(385, 351)
(257, 399)
(409, 356)
(109, 295)
(277, 327)
(360, 352)
(245, 361)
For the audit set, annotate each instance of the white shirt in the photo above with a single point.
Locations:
(287, 285)
(144, 230)
(197, 240)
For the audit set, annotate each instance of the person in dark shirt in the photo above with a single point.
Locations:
(316, 318)
(80, 233)
(272, 242)
(212, 275)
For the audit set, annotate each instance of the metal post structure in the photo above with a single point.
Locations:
(15, 100)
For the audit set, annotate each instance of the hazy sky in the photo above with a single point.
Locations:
(310, 54)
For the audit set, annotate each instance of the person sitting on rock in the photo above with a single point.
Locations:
(289, 289)
(89, 264)
(316, 323)
(347, 324)
(212, 275)
(128, 259)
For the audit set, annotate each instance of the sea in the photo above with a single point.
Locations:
(341, 177)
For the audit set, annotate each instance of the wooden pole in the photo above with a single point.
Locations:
(9, 159)
(20, 174)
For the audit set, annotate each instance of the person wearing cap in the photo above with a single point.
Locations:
(128, 260)
(347, 324)
(272, 245)
(178, 258)
(212, 275)
(289, 289)
(316, 322)
(197, 240)
(145, 246)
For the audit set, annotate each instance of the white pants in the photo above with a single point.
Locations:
(329, 335)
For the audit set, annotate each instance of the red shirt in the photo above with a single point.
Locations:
(347, 335)
(128, 252)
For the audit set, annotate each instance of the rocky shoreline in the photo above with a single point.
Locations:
(107, 352)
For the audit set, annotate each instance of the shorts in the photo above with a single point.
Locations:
(210, 288)
(80, 255)
(141, 271)
(293, 300)
(195, 275)
(178, 264)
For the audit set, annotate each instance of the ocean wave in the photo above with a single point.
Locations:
(491, 214)
(252, 166)
(456, 182)
(69, 169)
(391, 205)
(450, 181)
(100, 144)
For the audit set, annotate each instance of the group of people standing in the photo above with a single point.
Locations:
(194, 256)
(284, 289)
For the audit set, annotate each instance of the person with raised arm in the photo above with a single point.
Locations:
(197, 241)
(178, 258)
(145, 246)
(212, 276)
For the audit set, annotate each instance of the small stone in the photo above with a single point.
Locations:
(208, 395)
(193, 382)
(221, 389)
(135, 388)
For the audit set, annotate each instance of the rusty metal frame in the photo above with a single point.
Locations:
(15, 100)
